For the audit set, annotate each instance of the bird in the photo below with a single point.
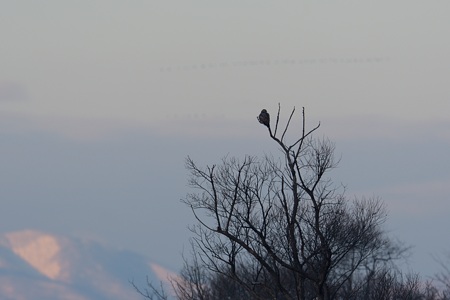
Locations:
(264, 118)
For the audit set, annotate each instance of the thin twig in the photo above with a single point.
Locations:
(287, 125)
(278, 118)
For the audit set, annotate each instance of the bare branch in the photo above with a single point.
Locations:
(278, 120)
(287, 124)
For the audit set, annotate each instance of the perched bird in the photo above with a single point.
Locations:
(264, 118)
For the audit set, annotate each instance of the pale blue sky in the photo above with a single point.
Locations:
(100, 101)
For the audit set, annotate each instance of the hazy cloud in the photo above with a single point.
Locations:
(274, 62)
(423, 198)
(12, 91)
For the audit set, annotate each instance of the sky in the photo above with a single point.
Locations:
(101, 102)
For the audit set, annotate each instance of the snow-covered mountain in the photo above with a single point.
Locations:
(39, 265)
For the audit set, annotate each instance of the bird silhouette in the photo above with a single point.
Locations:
(264, 118)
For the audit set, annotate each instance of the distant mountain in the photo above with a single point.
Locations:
(38, 265)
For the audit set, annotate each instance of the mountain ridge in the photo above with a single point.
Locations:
(40, 265)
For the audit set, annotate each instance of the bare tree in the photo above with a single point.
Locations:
(151, 292)
(443, 276)
(278, 228)
(279, 225)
